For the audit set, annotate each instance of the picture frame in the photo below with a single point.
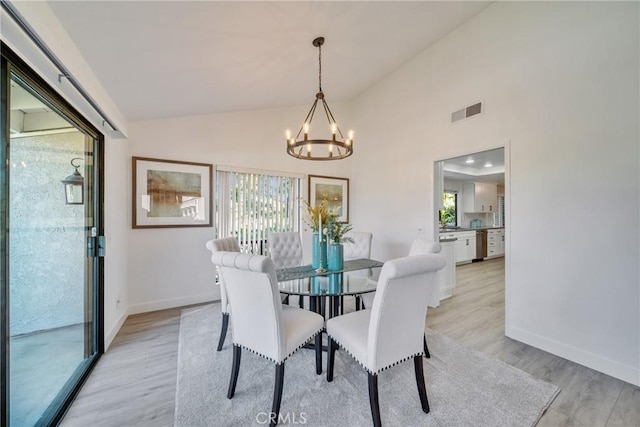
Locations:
(171, 193)
(333, 189)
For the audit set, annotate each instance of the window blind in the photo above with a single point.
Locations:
(251, 205)
(498, 216)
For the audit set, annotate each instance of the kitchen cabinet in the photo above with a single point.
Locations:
(465, 246)
(479, 197)
(495, 242)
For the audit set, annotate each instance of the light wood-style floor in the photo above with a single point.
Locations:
(134, 382)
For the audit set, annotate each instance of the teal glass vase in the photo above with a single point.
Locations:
(335, 255)
(318, 252)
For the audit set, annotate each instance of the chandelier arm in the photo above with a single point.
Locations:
(330, 118)
(308, 118)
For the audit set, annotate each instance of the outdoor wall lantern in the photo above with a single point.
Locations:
(74, 186)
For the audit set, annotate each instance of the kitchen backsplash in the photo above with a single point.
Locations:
(477, 220)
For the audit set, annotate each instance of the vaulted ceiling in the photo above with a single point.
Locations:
(176, 58)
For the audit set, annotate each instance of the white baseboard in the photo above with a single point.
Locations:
(108, 338)
(171, 303)
(630, 374)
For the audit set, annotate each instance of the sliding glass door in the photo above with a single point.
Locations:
(51, 297)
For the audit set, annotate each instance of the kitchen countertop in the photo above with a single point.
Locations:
(453, 230)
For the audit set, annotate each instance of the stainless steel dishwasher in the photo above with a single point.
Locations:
(481, 245)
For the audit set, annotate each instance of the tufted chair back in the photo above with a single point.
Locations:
(285, 249)
(360, 248)
(255, 303)
(396, 328)
(229, 244)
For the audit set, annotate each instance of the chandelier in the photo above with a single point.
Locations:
(336, 148)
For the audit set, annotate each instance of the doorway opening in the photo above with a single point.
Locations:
(475, 225)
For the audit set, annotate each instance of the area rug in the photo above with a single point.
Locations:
(465, 387)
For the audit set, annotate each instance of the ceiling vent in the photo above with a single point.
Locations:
(467, 112)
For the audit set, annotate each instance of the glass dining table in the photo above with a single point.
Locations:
(326, 289)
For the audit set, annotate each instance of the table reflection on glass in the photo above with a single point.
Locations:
(329, 285)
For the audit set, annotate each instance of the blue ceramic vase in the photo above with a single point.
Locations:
(335, 254)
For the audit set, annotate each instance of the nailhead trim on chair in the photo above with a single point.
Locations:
(381, 369)
(286, 357)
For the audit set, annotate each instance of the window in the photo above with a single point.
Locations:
(249, 205)
(449, 215)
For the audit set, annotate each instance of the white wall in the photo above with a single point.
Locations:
(560, 83)
(116, 226)
(171, 267)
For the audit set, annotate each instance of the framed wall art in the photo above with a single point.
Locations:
(170, 193)
(334, 190)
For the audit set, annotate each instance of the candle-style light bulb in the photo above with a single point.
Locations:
(308, 148)
(351, 135)
(334, 128)
(288, 133)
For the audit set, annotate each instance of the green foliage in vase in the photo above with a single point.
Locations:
(336, 230)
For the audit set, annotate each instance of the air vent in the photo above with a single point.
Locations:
(467, 112)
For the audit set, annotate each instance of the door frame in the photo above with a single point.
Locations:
(438, 175)
(11, 62)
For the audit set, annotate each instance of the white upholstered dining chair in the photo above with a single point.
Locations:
(418, 247)
(229, 244)
(285, 249)
(261, 323)
(389, 332)
(357, 247)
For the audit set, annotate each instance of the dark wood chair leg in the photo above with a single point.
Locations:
(277, 394)
(373, 400)
(422, 391)
(223, 330)
(331, 355)
(358, 302)
(300, 301)
(235, 368)
(426, 349)
(341, 304)
(319, 353)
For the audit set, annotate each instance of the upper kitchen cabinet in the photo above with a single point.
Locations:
(479, 197)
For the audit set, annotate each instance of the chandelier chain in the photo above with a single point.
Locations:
(320, 68)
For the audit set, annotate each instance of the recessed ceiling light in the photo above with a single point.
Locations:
(488, 165)
(469, 161)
